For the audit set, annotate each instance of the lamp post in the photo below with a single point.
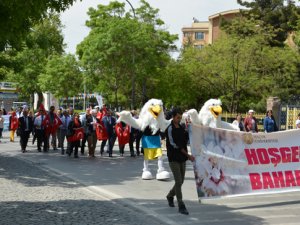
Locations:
(131, 7)
(133, 61)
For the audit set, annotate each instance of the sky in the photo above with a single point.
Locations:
(175, 13)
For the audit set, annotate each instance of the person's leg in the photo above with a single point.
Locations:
(45, 141)
(12, 135)
(38, 134)
(26, 137)
(111, 143)
(83, 143)
(178, 170)
(94, 143)
(137, 142)
(90, 143)
(58, 138)
(22, 137)
(103, 143)
(76, 146)
(131, 140)
(54, 137)
(121, 147)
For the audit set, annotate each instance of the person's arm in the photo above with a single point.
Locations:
(171, 140)
(265, 124)
(190, 157)
(246, 124)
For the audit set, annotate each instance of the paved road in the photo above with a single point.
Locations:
(118, 180)
(31, 196)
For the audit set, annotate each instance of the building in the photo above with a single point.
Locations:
(8, 95)
(202, 33)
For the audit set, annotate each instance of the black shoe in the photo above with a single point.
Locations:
(110, 155)
(183, 210)
(39, 149)
(62, 152)
(132, 155)
(171, 201)
(76, 156)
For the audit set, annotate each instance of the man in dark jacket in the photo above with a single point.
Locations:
(109, 122)
(176, 140)
(25, 128)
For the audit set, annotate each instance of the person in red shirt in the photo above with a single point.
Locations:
(13, 125)
(250, 122)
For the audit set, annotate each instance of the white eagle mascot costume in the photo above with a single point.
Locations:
(210, 115)
(151, 120)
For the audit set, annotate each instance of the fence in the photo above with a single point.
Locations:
(287, 121)
(288, 117)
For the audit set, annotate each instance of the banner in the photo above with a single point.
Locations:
(238, 163)
(99, 100)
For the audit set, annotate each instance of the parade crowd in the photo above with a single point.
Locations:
(52, 128)
(64, 130)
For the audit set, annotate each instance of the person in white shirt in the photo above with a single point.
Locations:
(298, 122)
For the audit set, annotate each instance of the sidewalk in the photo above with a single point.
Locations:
(119, 180)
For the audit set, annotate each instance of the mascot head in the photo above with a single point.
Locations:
(212, 108)
(152, 115)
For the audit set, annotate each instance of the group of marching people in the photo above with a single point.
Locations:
(54, 127)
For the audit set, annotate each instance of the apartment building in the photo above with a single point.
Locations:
(202, 33)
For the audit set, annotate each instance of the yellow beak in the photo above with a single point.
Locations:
(216, 111)
(155, 110)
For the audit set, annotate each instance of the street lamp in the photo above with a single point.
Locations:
(131, 7)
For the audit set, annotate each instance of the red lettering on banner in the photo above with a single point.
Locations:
(278, 179)
(263, 156)
(255, 181)
(251, 156)
(267, 180)
(275, 157)
(286, 157)
(272, 155)
(289, 179)
(297, 175)
(295, 153)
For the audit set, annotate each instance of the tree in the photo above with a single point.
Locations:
(241, 68)
(122, 51)
(44, 40)
(18, 16)
(62, 76)
(282, 15)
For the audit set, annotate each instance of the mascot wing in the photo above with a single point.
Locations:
(126, 117)
(229, 126)
(194, 117)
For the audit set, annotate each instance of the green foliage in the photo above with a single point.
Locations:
(62, 77)
(124, 53)
(280, 14)
(240, 68)
(18, 16)
(44, 40)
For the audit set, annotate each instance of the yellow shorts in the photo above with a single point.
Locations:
(152, 153)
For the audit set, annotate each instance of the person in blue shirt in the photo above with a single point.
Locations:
(269, 122)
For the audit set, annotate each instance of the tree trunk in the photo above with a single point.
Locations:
(40, 99)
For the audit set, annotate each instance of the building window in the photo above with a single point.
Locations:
(187, 34)
(199, 35)
(199, 46)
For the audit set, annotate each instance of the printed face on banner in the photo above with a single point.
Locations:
(236, 163)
